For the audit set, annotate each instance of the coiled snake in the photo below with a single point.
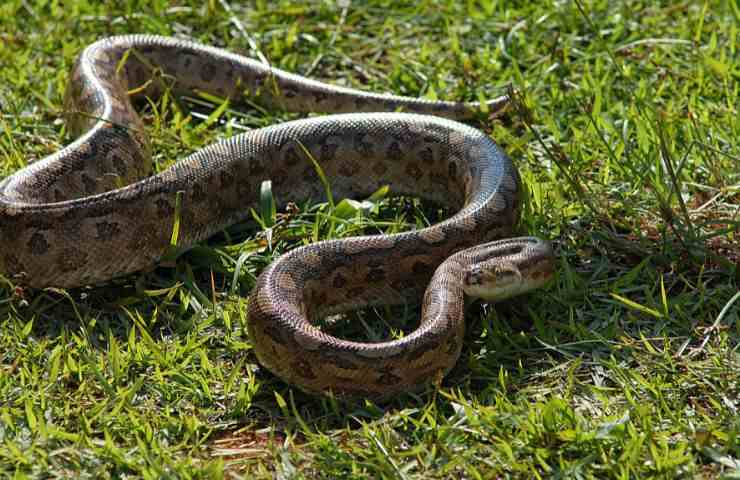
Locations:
(90, 213)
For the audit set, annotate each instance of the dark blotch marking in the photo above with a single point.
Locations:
(421, 268)
(413, 171)
(164, 209)
(427, 155)
(388, 378)
(452, 170)
(346, 169)
(197, 193)
(380, 169)
(88, 183)
(273, 333)
(255, 167)
(38, 244)
(361, 146)
(226, 178)
(375, 263)
(339, 281)
(328, 152)
(291, 157)
(207, 72)
(229, 71)
(375, 275)
(394, 151)
(403, 134)
(309, 173)
(320, 95)
(244, 190)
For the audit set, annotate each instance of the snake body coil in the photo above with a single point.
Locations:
(67, 221)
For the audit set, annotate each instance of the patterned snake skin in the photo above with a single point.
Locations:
(90, 212)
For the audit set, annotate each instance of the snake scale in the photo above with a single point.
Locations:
(93, 211)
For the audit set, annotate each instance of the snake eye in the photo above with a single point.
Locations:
(491, 277)
(507, 273)
(473, 276)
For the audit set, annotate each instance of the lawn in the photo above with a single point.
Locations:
(626, 133)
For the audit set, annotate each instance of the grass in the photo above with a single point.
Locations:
(627, 366)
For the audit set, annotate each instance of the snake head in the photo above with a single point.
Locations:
(505, 268)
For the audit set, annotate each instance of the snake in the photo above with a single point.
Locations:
(94, 211)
